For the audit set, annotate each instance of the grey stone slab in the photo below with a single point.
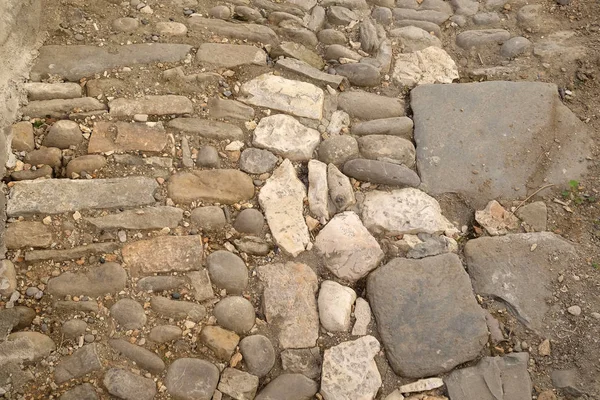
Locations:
(304, 69)
(57, 196)
(100, 280)
(76, 62)
(71, 254)
(81, 362)
(144, 218)
(506, 268)
(61, 108)
(516, 136)
(426, 314)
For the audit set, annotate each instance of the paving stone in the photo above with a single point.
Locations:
(398, 126)
(302, 361)
(440, 322)
(160, 283)
(177, 309)
(368, 106)
(125, 24)
(247, 13)
(99, 280)
(207, 129)
(465, 7)
(40, 345)
(436, 17)
(351, 4)
(61, 108)
(235, 313)
(515, 47)
(534, 216)
(360, 74)
(76, 62)
(19, 350)
(430, 65)
(71, 254)
(129, 314)
(63, 134)
(528, 16)
(481, 38)
(331, 36)
(229, 109)
(192, 379)
(281, 199)
(27, 234)
(249, 221)
(42, 172)
(337, 15)
(258, 353)
(413, 38)
(237, 384)
(294, 97)
(486, 139)
(425, 25)
(128, 386)
(60, 196)
(69, 305)
(486, 18)
(85, 391)
(569, 381)
(335, 305)
(164, 254)
(493, 378)
(338, 149)
(302, 68)
(220, 12)
(151, 105)
(22, 138)
(165, 333)
(128, 159)
(201, 285)
(300, 53)
(526, 274)
(143, 358)
(73, 328)
(340, 189)
(257, 161)
(89, 163)
(285, 136)
(387, 148)
(208, 218)
(347, 247)
(337, 52)
(381, 172)
(144, 218)
(350, 371)
(289, 303)
(294, 31)
(382, 15)
(81, 362)
(221, 55)
(226, 186)
(221, 341)
(51, 156)
(50, 91)
(124, 136)
(250, 32)
(253, 245)
(171, 28)
(208, 157)
(362, 313)
(289, 387)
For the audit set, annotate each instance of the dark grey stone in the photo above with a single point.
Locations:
(227, 271)
(249, 221)
(177, 309)
(360, 74)
(258, 353)
(257, 161)
(81, 362)
(63, 134)
(426, 314)
(302, 361)
(397, 126)
(367, 106)
(392, 149)
(516, 46)
(73, 328)
(129, 314)
(143, 358)
(289, 387)
(235, 313)
(192, 379)
(84, 391)
(208, 218)
(208, 157)
(338, 149)
(128, 386)
(568, 380)
(381, 172)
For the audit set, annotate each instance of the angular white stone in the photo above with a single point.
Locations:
(284, 135)
(347, 247)
(430, 65)
(422, 385)
(293, 97)
(318, 192)
(362, 313)
(335, 306)
(282, 200)
(350, 371)
(403, 211)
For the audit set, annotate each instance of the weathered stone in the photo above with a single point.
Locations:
(221, 12)
(253, 245)
(208, 218)
(430, 65)
(294, 31)
(100, 280)
(496, 220)
(338, 149)
(165, 333)
(331, 36)
(225, 186)
(22, 138)
(73, 328)
(413, 38)
(89, 163)
(71, 254)
(282, 199)
(169, 28)
(347, 247)
(44, 171)
(562, 45)
(61, 108)
(341, 15)
(235, 313)
(285, 136)
(432, 304)
(128, 159)
(50, 91)
(516, 46)
(493, 378)
(289, 387)
(125, 24)
(85, 391)
(249, 221)
(160, 283)
(164, 254)
(387, 148)
(299, 52)
(177, 309)
(81, 362)
(509, 269)
(207, 129)
(362, 313)
(61, 196)
(538, 118)
(340, 188)
(367, 106)
(144, 218)
(534, 216)
(432, 245)
(63, 134)
(40, 345)
(486, 18)
(250, 32)
(221, 341)
(51, 156)
(128, 386)
(258, 353)
(382, 15)
(151, 105)
(302, 68)
(360, 74)
(398, 126)
(247, 13)
(316, 21)
(436, 17)
(302, 361)
(350, 371)
(27, 234)
(336, 52)
(381, 172)
(129, 314)
(69, 306)
(208, 157)
(335, 305)
(238, 384)
(257, 161)
(294, 97)
(201, 285)
(568, 381)
(124, 136)
(229, 109)
(318, 193)
(76, 62)
(221, 55)
(289, 303)
(192, 379)
(143, 358)
(481, 38)
(465, 7)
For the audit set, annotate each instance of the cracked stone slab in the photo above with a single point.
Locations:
(124, 136)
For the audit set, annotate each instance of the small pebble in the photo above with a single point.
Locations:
(176, 295)
(574, 310)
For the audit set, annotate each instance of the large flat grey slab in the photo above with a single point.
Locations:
(57, 196)
(496, 139)
(76, 62)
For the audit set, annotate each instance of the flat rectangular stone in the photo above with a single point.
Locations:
(57, 196)
(249, 32)
(164, 254)
(49, 91)
(151, 105)
(61, 108)
(76, 62)
(207, 129)
(71, 254)
(125, 136)
(145, 218)
(230, 55)
(302, 68)
(128, 159)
